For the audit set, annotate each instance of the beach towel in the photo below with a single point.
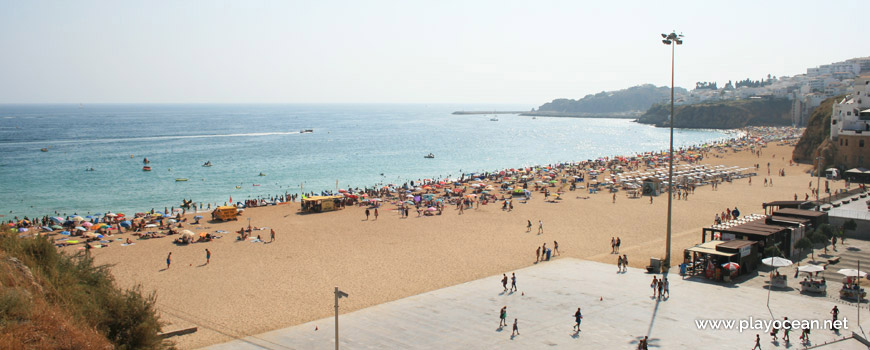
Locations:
(256, 241)
(127, 244)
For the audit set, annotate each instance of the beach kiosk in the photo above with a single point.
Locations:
(652, 186)
(319, 204)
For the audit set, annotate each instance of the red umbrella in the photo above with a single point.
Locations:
(731, 266)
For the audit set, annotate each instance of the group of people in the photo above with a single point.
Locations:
(543, 253)
(502, 315)
(662, 286)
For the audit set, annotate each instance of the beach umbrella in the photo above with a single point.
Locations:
(431, 209)
(56, 227)
(77, 218)
(65, 233)
(23, 229)
(81, 228)
(87, 224)
(852, 273)
(776, 262)
(731, 266)
(198, 217)
(811, 268)
(46, 228)
(57, 219)
(126, 224)
(151, 225)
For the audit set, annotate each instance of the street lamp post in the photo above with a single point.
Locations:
(672, 40)
(338, 295)
(819, 161)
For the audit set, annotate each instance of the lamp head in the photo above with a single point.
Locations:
(665, 36)
(679, 42)
(666, 42)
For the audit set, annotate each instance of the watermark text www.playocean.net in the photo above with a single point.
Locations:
(752, 324)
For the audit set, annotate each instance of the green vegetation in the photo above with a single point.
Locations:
(722, 114)
(817, 132)
(53, 300)
(634, 99)
(804, 244)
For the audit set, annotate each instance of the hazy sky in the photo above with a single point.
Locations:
(527, 52)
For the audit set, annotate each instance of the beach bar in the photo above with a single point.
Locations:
(319, 204)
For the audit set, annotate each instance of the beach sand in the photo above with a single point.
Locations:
(250, 288)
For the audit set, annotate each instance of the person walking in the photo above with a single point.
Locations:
(555, 248)
(513, 282)
(618, 263)
(168, 260)
(654, 284)
(786, 328)
(667, 288)
(614, 198)
(272, 236)
(367, 214)
(661, 286)
(503, 317)
(578, 317)
(516, 330)
(757, 342)
(618, 243)
(529, 226)
(207, 256)
(504, 281)
(835, 313)
(538, 255)
(376, 214)
(624, 263)
(540, 227)
(612, 245)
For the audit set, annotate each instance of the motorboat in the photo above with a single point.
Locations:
(238, 187)
(146, 168)
(493, 119)
(430, 155)
(306, 131)
(44, 149)
(261, 174)
(180, 179)
(207, 164)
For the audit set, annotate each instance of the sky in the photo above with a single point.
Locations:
(517, 52)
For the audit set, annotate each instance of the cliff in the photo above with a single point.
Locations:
(633, 101)
(722, 114)
(816, 137)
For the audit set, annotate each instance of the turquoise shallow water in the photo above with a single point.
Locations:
(353, 144)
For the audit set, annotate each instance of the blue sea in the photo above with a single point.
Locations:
(355, 145)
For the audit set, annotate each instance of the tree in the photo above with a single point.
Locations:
(817, 237)
(828, 232)
(772, 250)
(848, 226)
(804, 243)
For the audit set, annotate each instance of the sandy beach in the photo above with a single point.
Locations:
(249, 288)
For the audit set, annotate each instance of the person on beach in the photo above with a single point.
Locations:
(618, 243)
(376, 214)
(667, 288)
(624, 263)
(578, 317)
(207, 256)
(619, 263)
(502, 317)
(529, 226)
(655, 282)
(367, 214)
(168, 260)
(543, 251)
(272, 236)
(661, 287)
(786, 328)
(540, 227)
(555, 248)
(757, 342)
(513, 282)
(834, 312)
(538, 255)
(612, 245)
(614, 198)
(516, 330)
(504, 282)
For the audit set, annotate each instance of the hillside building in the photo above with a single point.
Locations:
(850, 126)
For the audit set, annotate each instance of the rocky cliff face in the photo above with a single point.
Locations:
(816, 137)
(722, 114)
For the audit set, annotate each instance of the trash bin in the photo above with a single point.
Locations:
(548, 254)
(683, 268)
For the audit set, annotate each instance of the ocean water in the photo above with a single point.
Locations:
(355, 145)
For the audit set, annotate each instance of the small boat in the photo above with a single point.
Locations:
(44, 149)
(146, 168)
(180, 179)
(306, 131)
(534, 117)
(430, 155)
(256, 185)
(494, 118)
(261, 174)
(207, 164)
(238, 187)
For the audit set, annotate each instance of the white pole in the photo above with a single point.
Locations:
(336, 318)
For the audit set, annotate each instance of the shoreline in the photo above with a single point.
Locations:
(731, 135)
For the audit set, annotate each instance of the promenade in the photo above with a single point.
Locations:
(618, 310)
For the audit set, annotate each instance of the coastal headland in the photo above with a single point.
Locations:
(249, 288)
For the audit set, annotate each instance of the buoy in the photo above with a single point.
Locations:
(315, 328)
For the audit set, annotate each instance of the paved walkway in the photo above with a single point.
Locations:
(618, 310)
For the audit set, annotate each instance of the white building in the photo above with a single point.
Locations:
(851, 116)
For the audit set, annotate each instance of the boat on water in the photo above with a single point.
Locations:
(180, 179)
(306, 131)
(146, 168)
(430, 155)
(146, 161)
(534, 117)
(44, 149)
(261, 174)
(207, 164)
(238, 187)
(493, 119)
(256, 185)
